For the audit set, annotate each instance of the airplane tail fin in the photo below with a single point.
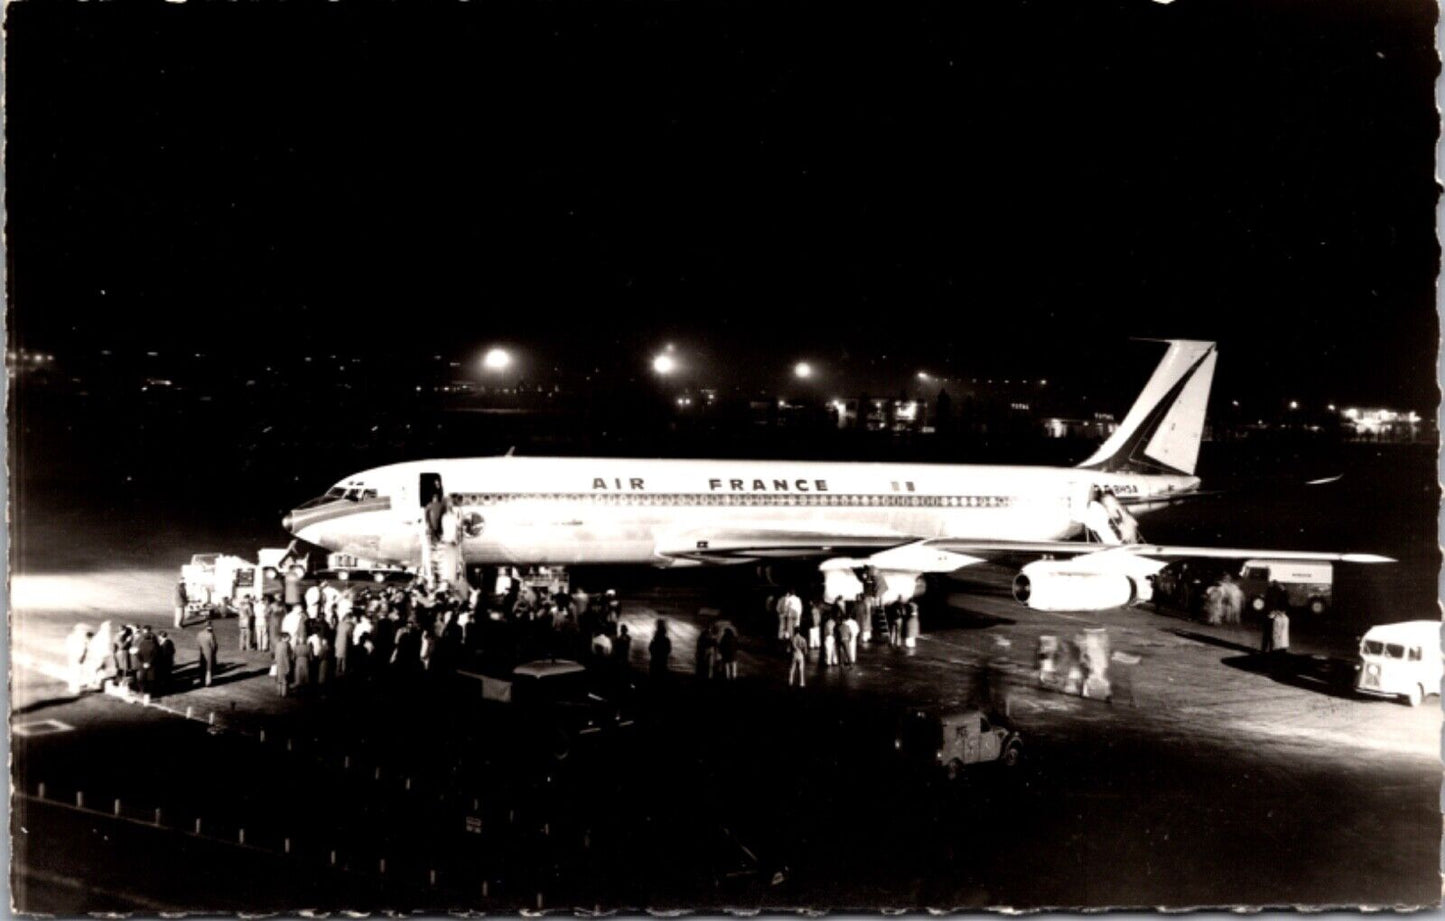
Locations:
(1162, 430)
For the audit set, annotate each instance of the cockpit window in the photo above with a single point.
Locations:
(368, 494)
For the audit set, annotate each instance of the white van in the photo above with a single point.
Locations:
(1401, 660)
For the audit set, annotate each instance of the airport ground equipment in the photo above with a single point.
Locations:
(1308, 584)
(1401, 660)
(952, 741)
(214, 580)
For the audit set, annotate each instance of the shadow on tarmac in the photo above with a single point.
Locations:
(1324, 675)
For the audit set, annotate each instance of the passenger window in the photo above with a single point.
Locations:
(1414, 653)
(1395, 650)
(983, 724)
(368, 494)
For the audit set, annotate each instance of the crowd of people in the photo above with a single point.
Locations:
(327, 633)
(834, 629)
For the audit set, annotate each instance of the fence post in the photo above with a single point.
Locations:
(241, 836)
(198, 825)
(333, 858)
(79, 799)
(286, 845)
(117, 806)
(42, 789)
(158, 815)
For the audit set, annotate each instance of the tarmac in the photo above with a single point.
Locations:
(1215, 776)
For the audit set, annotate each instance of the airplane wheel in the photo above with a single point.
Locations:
(1416, 696)
(1256, 604)
(1317, 605)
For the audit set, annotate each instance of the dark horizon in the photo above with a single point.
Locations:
(1000, 189)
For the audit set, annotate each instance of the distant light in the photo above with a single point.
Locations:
(1043, 383)
(923, 375)
(496, 360)
(1332, 407)
(664, 364)
(1234, 402)
(1294, 404)
(803, 370)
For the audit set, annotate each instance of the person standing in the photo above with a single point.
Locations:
(910, 624)
(301, 674)
(848, 642)
(181, 601)
(146, 651)
(244, 615)
(891, 612)
(285, 663)
(814, 622)
(344, 627)
(262, 623)
(659, 651)
(321, 652)
(622, 648)
(830, 638)
(76, 645)
(727, 650)
(797, 664)
(206, 644)
(165, 661)
(792, 611)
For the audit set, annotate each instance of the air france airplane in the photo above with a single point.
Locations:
(898, 521)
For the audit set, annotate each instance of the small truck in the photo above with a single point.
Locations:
(953, 740)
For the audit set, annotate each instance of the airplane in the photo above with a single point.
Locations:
(903, 520)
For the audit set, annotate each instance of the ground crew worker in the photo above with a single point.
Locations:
(660, 650)
(181, 601)
(799, 659)
(207, 645)
(313, 601)
(910, 624)
(285, 662)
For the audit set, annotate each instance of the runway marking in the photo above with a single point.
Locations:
(41, 728)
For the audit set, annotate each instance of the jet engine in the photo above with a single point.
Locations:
(1052, 585)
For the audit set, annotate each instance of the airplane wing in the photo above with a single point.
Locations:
(1157, 551)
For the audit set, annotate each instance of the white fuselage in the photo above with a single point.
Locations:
(529, 510)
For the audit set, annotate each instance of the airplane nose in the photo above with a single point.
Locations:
(286, 522)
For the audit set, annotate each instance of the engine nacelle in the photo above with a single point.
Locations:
(1048, 585)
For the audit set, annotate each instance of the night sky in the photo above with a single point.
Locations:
(992, 187)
